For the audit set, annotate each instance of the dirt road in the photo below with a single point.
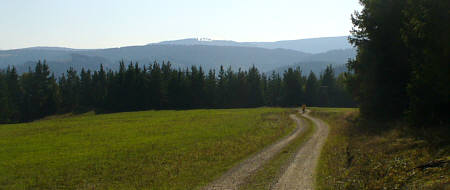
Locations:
(235, 176)
(300, 174)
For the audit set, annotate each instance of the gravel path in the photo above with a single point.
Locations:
(236, 175)
(300, 174)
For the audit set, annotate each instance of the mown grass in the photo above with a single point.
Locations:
(266, 177)
(135, 150)
(373, 155)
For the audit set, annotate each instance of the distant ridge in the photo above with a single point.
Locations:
(210, 54)
(309, 45)
(44, 48)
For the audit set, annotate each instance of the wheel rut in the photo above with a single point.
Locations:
(234, 177)
(299, 174)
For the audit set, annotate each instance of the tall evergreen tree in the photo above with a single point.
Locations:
(312, 90)
(99, 88)
(255, 97)
(14, 93)
(70, 88)
(293, 93)
(274, 90)
(381, 69)
(328, 87)
(5, 110)
(157, 95)
(221, 87)
(426, 35)
(86, 89)
(211, 89)
(197, 87)
(38, 93)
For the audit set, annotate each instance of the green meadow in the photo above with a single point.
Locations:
(135, 150)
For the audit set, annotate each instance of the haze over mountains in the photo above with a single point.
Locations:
(311, 45)
(310, 54)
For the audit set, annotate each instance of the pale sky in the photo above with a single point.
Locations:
(117, 23)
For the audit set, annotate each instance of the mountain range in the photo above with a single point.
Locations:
(311, 45)
(309, 54)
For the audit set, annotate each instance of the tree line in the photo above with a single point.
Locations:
(38, 93)
(402, 65)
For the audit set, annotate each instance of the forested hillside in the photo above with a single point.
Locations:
(182, 56)
(318, 62)
(311, 45)
(37, 93)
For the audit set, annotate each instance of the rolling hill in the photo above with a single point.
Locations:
(317, 62)
(183, 54)
(311, 45)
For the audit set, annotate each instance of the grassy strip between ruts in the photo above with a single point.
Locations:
(377, 155)
(266, 177)
(135, 150)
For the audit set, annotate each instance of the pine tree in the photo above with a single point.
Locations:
(381, 68)
(157, 96)
(197, 88)
(327, 92)
(99, 88)
(273, 94)
(4, 100)
(70, 90)
(293, 93)
(211, 89)
(255, 97)
(86, 90)
(426, 36)
(221, 88)
(312, 90)
(39, 89)
(14, 93)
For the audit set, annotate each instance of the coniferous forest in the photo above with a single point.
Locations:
(402, 65)
(38, 93)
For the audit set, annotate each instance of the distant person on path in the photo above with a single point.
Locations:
(303, 108)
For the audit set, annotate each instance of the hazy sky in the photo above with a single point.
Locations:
(116, 23)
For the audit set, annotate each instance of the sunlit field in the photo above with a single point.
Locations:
(135, 150)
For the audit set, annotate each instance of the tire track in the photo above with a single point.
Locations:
(301, 173)
(236, 175)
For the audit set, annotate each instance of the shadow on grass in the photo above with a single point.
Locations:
(367, 154)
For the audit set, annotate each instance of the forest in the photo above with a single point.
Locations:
(402, 65)
(38, 93)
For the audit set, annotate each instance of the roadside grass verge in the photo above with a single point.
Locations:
(373, 155)
(135, 150)
(266, 177)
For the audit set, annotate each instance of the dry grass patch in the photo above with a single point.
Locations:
(363, 155)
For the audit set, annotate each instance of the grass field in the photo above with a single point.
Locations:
(266, 177)
(135, 150)
(368, 155)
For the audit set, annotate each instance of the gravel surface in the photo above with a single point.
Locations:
(301, 173)
(236, 175)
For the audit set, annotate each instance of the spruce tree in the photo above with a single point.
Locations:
(4, 100)
(312, 90)
(14, 93)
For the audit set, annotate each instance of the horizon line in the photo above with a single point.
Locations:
(154, 43)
